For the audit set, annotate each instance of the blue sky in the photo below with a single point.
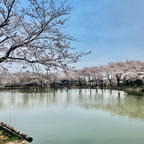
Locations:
(112, 29)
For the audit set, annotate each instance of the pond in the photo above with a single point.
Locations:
(76, 116)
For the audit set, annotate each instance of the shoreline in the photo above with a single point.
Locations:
(135, 91)
(10, 140)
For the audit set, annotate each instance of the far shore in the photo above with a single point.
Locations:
(137, 91)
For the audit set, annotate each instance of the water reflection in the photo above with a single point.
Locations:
(114, 101)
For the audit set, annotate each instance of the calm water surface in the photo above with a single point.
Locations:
(75, 116)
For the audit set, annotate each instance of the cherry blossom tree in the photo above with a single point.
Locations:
(33, 34)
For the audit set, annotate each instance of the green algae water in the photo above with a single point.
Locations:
(77, 116)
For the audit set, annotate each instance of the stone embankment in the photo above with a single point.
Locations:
(9, 135)
(6, 140)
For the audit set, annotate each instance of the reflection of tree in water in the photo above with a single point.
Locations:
(1, 104)
(130, 106)
(113, 101)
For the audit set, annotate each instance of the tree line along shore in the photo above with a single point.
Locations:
(128, 76)
(33, 37)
